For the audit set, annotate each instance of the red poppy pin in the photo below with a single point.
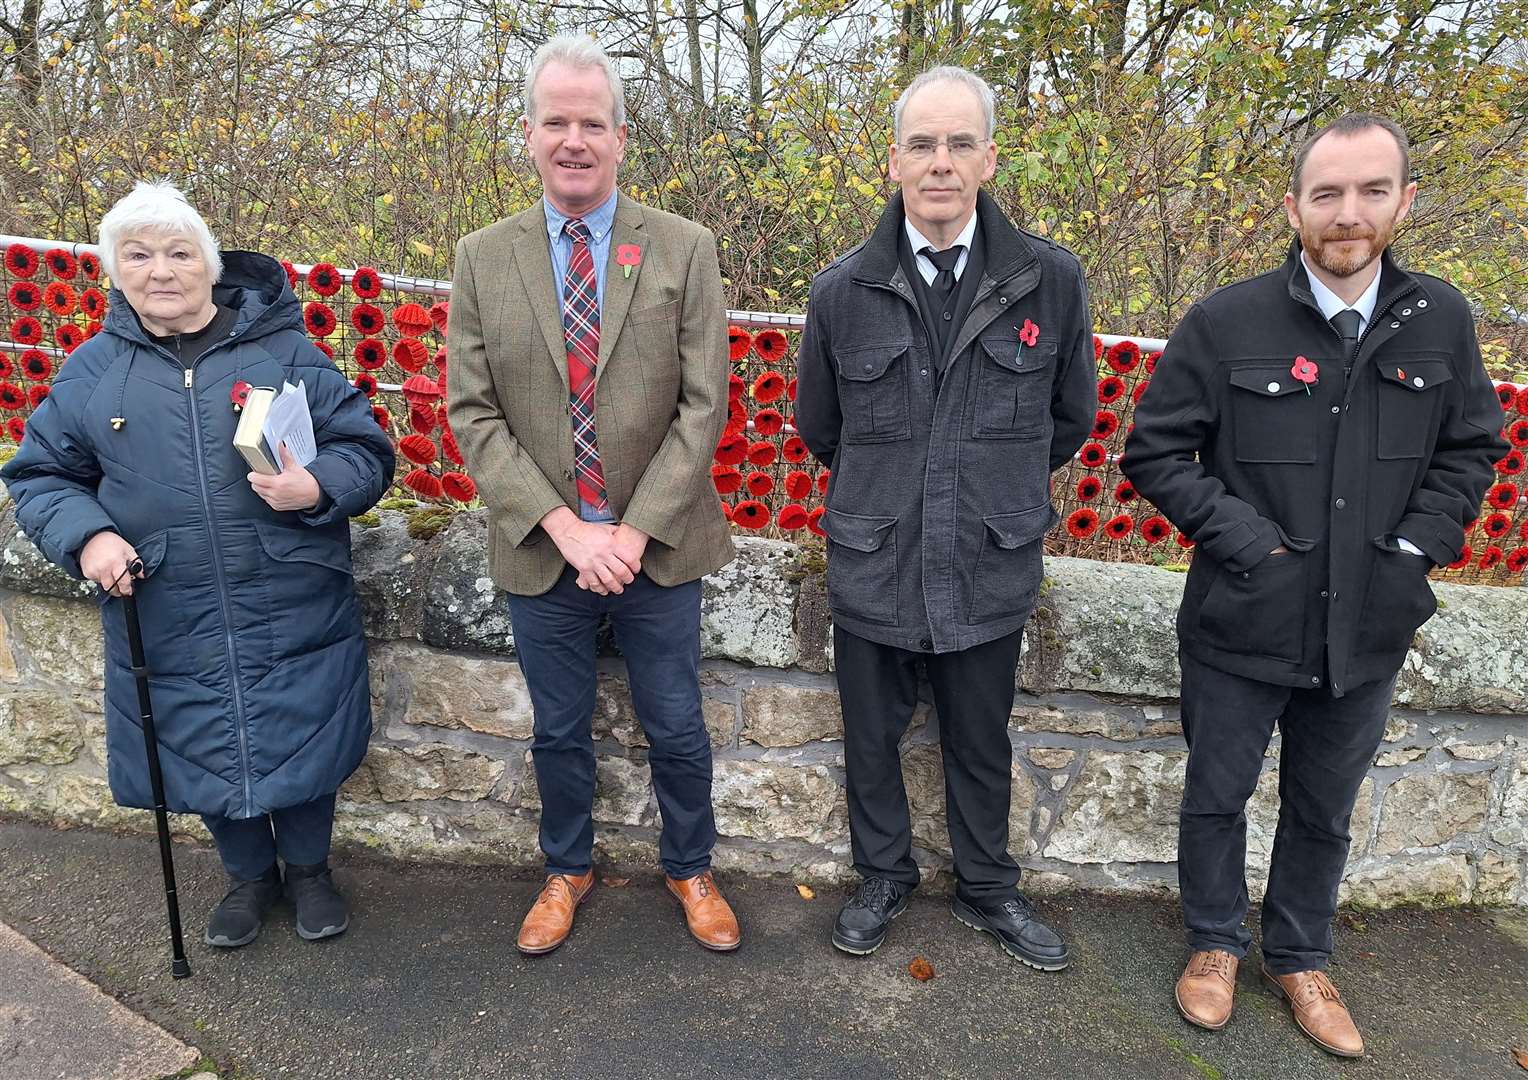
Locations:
(240, 395)
(1304, 371)
(1029, 333)
(627, 256)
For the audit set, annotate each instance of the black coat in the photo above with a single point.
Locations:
(1241, 458)
(940, 496)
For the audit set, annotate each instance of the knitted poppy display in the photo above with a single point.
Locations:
(6, 370)
(380, 414)
(411, 320)
(11, 397)
(1517, 560)
(790, 389)
(1496, 525)
(732, 450)
(1517, 433)
(1123, 356)
(770, 346)
(59, 298)
(750, 514)
(368, 319)
(36, 395)
(16, 427)
(1093, 455)
(739, 341)
(1155, 529)
(768, 422)
(791, 517)
(93, 303)
(759, 484)
(1490, 557)
(762, 454)
(1466, 553)
(1502, 496)
(61, 264)
(769, 386)
(726, 479)
(324, 279)
(1510, 465)
(36, 366)
(822, 481)
(1139, 391)
(814, 521)
(291, 272)
(736, 387)
(366, 383)
(458, 486)
(1151, 359)
(440, 316)
(1183, 541)
(411, 354)
(366, 283)
(798, 485)
(319, 318)
(1119, 526)
(69, 337)
(449, 449)
(370, 354)
(422, 419)
(325, 348)
(1105, 423)
(1082, 523)
(418, 449)
(1089, 487)
(24, 296)
(26, 330)
(21, 260)
(1125, 492)
(1506, 393)
(794, 451)
(90, 265)
(423, 482)
(1110, 390)
(737, 418)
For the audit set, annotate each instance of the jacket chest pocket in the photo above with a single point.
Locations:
(1273, 419)
(874, 394)
(1014, 389)
(1409, 396)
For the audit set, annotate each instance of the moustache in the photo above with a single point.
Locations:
(1336, 235)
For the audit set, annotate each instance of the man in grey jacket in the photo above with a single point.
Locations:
(946, 369)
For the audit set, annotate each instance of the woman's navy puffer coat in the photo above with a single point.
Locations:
(250, 626)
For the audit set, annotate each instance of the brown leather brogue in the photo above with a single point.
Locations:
(710, 916)
(1319, 1011)
(1206, 988)
(550, 918)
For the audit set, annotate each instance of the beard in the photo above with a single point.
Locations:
(1321, 247)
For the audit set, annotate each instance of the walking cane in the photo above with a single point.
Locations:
(180, 967)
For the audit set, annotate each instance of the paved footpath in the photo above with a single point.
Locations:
(427, 984)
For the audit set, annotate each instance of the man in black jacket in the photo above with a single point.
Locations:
(1323, 432)
(946, 368)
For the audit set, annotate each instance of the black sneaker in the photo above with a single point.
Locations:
(1022, 936)
(321, 910)
(236, 920)
(863, 921)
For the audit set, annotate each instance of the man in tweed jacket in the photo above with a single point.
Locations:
(588, 388)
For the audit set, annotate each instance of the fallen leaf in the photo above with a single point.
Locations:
(616, 882)
(921, 969)
(806, 892)
(1521, 1056)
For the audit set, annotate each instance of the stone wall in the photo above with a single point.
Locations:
(1097, 769)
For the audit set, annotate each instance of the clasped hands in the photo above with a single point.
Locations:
(607, 557)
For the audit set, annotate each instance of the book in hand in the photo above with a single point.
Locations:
(249, 439)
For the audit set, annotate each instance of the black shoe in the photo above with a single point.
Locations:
(236, 921)
(321, 910)
(863, 921)
(1022, 936)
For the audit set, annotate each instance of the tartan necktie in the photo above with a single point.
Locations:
(581, 333)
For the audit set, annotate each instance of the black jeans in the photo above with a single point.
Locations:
(658, 631)
(973, 695)
(299, 834)
(1328, 746)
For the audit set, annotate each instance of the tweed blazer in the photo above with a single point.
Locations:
(660, 392)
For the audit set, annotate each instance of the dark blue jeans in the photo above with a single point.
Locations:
(658, 631)
(1328, 745)
(299, 834)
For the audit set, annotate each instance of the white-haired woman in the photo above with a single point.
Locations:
(250, 625)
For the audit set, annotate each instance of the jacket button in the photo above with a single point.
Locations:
(1421, 303)
(1315, 680)
(925, 644)
(1002, 299)
(1394, 325)
(567, 474)
(869, 367)
(1273, 388)
(923, 371)
(1340, 503)
(1405, 311)
(1323, 594)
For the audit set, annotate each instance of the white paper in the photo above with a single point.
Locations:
(289, 421)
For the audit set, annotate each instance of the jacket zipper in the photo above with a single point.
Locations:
(208, 516)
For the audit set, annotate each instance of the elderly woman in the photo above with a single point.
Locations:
(250, 624)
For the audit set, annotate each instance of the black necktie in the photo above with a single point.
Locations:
(944, 281)
(1346, 324)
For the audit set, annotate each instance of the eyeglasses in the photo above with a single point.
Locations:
(959, 146)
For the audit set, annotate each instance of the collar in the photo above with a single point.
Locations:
(1006, 250)
(1330, 303)
(599, 220)
(919, 241)
(1395, 280)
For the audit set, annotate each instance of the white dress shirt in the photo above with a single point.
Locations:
(926, 265)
